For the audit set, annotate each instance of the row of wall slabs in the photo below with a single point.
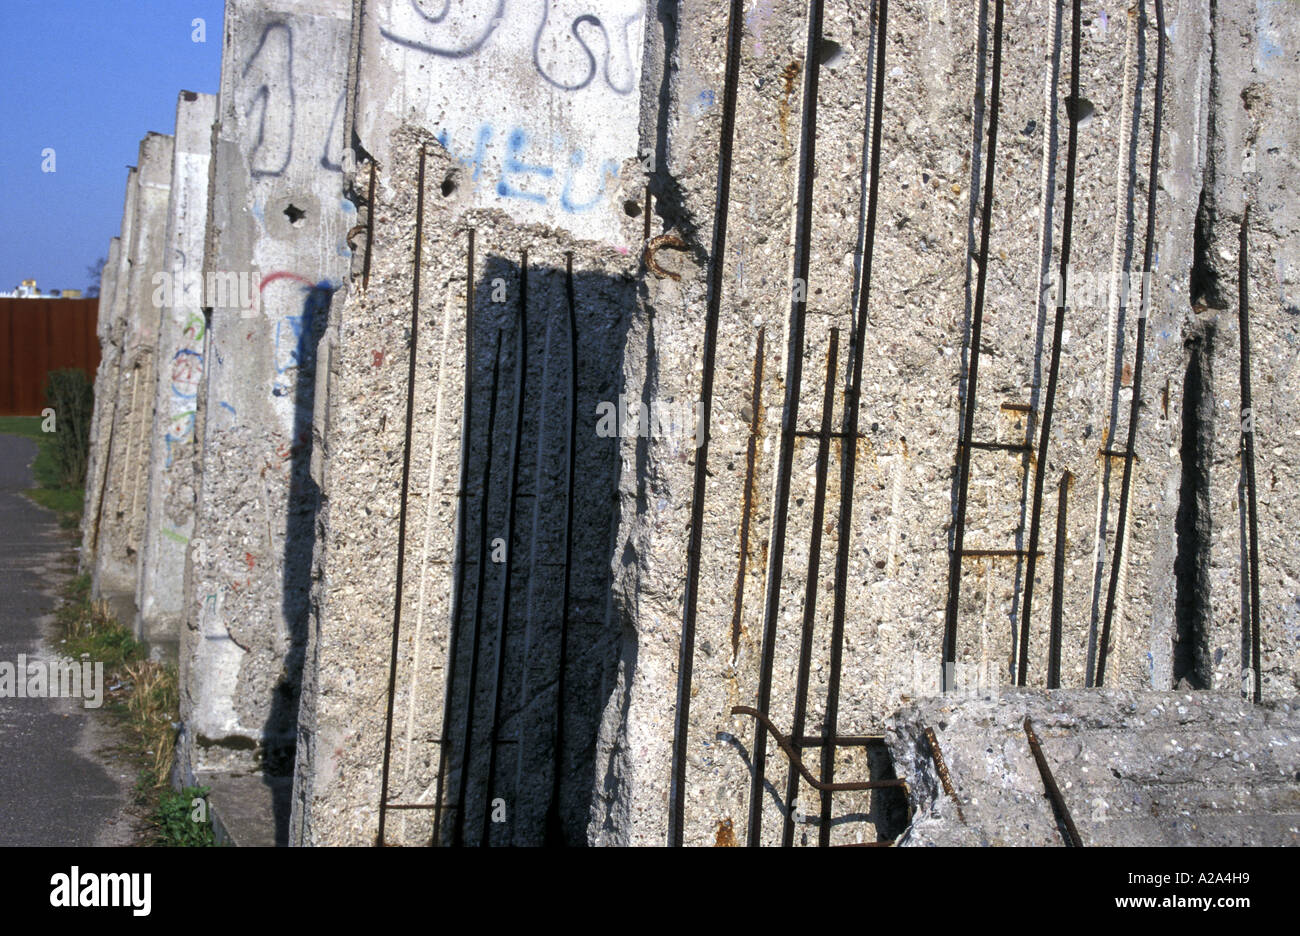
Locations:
(200, 504)
(417, 494)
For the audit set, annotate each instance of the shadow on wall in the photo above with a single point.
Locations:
(279, 733)
(504, 682)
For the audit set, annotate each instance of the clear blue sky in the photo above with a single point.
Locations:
(88, 79)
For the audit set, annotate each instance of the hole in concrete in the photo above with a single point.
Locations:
(1191, 663)
(448, 186)
(888, 810)
(829, 52)
(1080, 110)
(632, 208)
(1204, 285)
(295, 215)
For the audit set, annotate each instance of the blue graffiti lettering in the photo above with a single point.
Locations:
(513, 166)
(608, 170)
(516, 172)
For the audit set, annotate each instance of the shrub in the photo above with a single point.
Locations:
(73, 398)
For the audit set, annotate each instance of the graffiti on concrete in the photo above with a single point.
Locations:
(563, 35)
(520, 177)
(268, 86)
(186, 373)
(269, 103)
(534, 97)
(293, 333)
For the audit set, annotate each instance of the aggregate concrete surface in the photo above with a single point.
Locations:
(1133, 767)
(56, 787)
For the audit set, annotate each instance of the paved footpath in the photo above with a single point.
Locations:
(54, 786)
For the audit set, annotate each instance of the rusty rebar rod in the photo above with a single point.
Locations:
(939, 765)
(747, 498)
(370, 224)
(1053, 791)
(789, 750)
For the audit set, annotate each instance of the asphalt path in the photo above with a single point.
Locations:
(55, 785)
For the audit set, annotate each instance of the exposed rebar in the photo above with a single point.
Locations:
(1147, 296)
(717, 259)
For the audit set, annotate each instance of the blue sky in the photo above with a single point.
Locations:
(88, 79)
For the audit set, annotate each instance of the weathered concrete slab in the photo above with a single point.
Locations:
(173, 478)
(1250, 141)
(1133, 768)
(538, 103)
(122, 514)
(105, 399)
(538, 155)
(937, 101)
(248, 810)
(110, 327)
(276, 246)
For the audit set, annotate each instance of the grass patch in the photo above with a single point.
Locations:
(145, 695)
(181, 819)
(51, 491)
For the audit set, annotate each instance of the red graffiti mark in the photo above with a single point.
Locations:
(377, 358)
(282, 274)
(248, 557)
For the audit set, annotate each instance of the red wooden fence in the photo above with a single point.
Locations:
(41, 335)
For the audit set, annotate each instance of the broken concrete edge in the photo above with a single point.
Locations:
(242, 807)
(973, 777)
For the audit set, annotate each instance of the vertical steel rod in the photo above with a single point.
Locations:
(370, 227)
(1054, 369)
(814, 570)
(1147, 297)
(717, 260)
(790, 412)
(412, 356)
(1058, 584)
(1248, 454)
(849, 450)
(973, 368)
